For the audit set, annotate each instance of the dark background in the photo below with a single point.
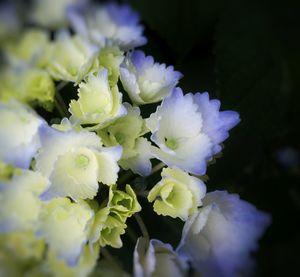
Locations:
(247, 54)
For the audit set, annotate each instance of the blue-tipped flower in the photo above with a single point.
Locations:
(53, 13)
(19, 138)
(188, 130)
(75, 162)
(219, 238)
(110, 24)
(156, 258)
(146, 81)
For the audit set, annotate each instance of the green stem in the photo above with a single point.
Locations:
(129, 174)
(61, 85)
(106, 254)
(157, 168)
(93, 128)
(131, 234)
(126, 177)
(59, 101)
(142, 226)
(104, 203)
(59, 108)
(143, 193)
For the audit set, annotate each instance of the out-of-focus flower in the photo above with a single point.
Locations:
(288, 156)
(178, 194)
(124, 204)
(98, 103)
(127, 131)
(10, 24)
(109, 24)
(20, 203)
(155, 258)
(19, 251)
(56, 267)
(111, 58)
(71, 58)
(107, 228)
(6, 171)
(64, 226)
(19, 138)
(28, 85)
(75, 162)
(29, 49)
(188, 130)
(53, 13)
(145, 81)
(21, 245)
(219, 238)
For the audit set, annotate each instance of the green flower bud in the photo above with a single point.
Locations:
(127, 131)
(107, 228)
(177, 194)
(124, 204)
(124, 131)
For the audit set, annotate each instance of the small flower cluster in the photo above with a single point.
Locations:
(64, 186)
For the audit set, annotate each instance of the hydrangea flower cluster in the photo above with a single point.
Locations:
(72, 150)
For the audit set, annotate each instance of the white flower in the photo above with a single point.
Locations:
(155, 258)
(188, 130)
(64, 226)
(146, 81)
(19, 138)
(52, 13)
(71, 58)
(98, 103)
(75, 162)
(20, 203)
(219, 238)
(109, 24)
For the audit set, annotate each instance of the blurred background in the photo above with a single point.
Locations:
(247, 54)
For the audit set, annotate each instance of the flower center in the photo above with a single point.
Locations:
(171, 143)
(120, 138)
(82, 161)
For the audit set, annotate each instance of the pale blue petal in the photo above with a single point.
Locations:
(216, 124)
(146, 81)
(220, 238)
